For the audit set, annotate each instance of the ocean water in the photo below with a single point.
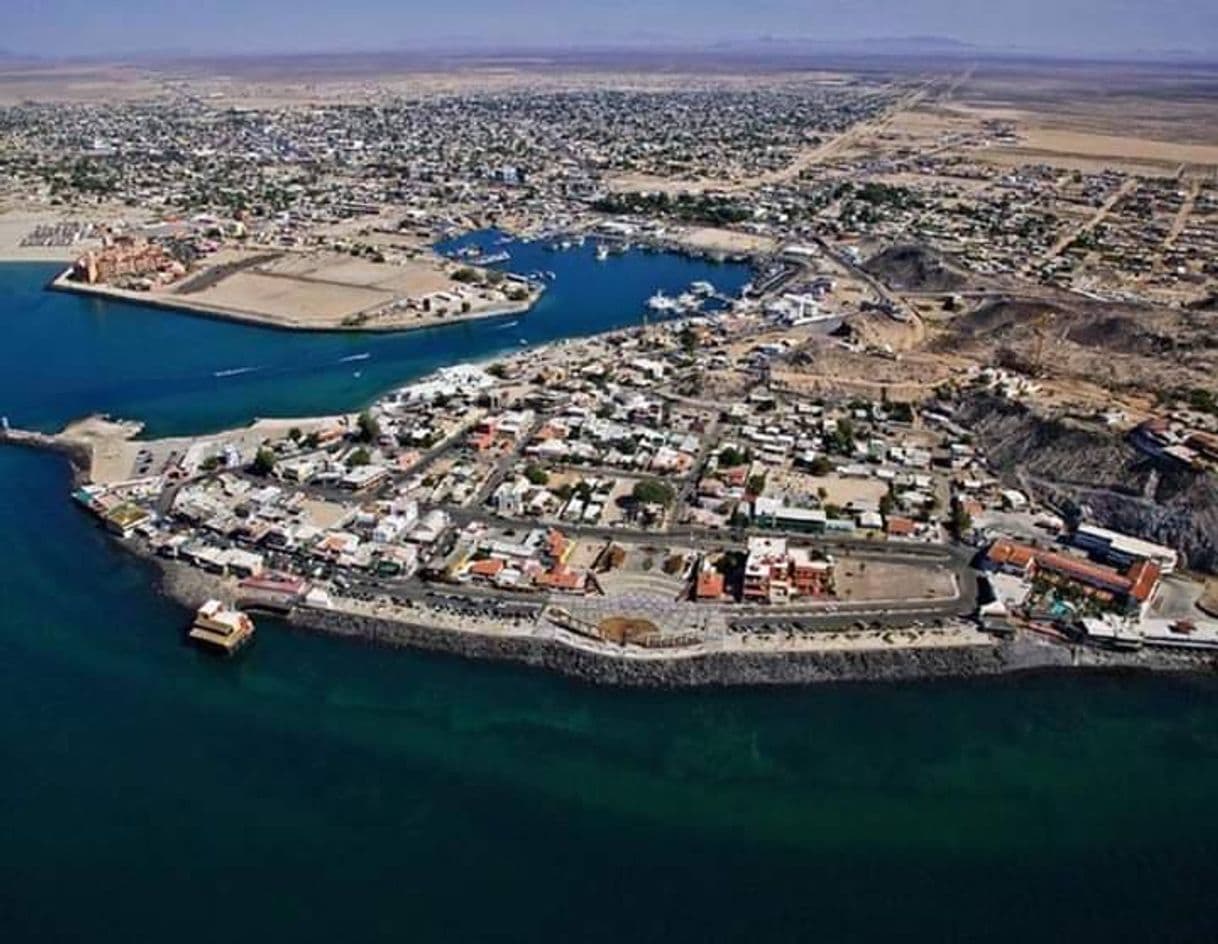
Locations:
(323, 790)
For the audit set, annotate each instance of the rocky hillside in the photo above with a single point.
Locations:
(1085, 470)
(912, 268)
(1121, 346)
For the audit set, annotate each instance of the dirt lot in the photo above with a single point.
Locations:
(838, 490)
(860, 580)
(304, 302)
(726, 240)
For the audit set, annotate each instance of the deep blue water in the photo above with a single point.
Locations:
(321, 790)
(69, 355)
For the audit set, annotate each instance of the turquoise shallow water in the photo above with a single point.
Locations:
(324, 790)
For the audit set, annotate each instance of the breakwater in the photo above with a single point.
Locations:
(79, 454)
(722, 669)
(698, 669)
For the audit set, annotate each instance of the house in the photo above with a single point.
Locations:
(486, 569)
(364, 477)
(397, 560)
(561, 579)
(774, 573)
(389, 529)
(300, 469)
(243, 563)
(896, 526)
(428, 531)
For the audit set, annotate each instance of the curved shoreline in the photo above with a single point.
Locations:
(697, 668)
(1023, 654)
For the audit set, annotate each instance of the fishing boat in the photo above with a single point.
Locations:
(602, 252)
(661, 302)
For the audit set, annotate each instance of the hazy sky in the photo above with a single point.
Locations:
(71, 27)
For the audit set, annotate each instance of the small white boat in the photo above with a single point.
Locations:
(661, 302)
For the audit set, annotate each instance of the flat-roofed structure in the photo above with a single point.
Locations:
(221, 629)
(1122, 550)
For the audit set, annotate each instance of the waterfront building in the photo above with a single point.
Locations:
(775, 573)
(220, 628)
(1134, 587)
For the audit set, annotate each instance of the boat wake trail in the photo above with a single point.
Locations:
(504, 327)
(234, 371)
(354, 357)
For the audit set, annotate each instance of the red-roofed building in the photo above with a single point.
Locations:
(710, 584)
(558, 546)
(1011, 557)
(1136, 585)
(487, 569)
(898, 527)
(482, 440)
(561, 579)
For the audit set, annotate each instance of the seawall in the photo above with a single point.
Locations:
(721, 669)
(182, 304)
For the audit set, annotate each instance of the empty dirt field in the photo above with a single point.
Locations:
(1084, 151)
(292, 300)
(860, 580)
(838, 490)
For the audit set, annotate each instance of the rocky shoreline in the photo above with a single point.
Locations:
(78, 454)
(1025, 653)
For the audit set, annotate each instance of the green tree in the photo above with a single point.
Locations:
(361, 456)
(653, 492)
(820, 466)
(369, 428)
(730, 457)
(689, 340)
(961, 522)
(264, 462)
(536, 474)
(755, 484)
